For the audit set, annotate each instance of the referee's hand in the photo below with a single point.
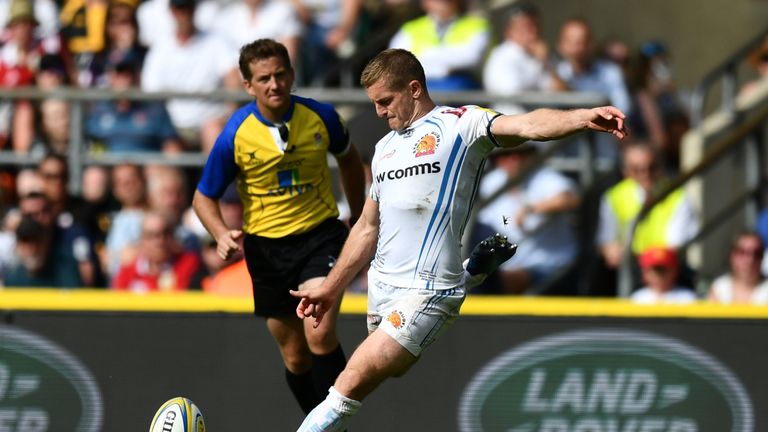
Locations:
(227, 243)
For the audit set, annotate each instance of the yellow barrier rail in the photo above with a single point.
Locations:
(197, 302)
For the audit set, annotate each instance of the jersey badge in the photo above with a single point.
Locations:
(427, 145)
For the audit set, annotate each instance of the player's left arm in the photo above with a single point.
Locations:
(352, 180)
(550, 124)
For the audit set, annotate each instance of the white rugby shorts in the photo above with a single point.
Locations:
(414, 317)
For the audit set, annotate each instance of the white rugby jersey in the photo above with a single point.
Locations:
(425, 179)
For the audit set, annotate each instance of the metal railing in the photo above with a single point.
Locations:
(78, 99)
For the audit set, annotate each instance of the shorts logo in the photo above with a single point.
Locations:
(397, 319)
(427, 145)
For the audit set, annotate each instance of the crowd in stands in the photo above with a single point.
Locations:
(131, 226)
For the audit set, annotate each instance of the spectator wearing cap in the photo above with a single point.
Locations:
(744, 283)
(126, 126)
(20, 57)
(521, 62)
(536, 213)
(660, 269)
(192, 61)
(40, 262)
(46, 14)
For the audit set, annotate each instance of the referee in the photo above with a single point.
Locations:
(276, 149)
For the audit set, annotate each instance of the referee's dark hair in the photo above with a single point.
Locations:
(261, 49)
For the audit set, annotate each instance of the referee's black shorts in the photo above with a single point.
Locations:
(278, 265)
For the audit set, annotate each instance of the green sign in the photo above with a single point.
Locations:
(43, 388)
(605, 381)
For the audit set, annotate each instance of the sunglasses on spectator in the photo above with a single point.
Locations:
(642, 169)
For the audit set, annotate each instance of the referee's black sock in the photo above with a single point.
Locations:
(325, 369)
(303, 389)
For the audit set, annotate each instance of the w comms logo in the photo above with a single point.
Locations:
(414, 170)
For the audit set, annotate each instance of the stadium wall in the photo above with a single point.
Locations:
(96, 361)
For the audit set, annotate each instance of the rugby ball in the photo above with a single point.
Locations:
(178, 415)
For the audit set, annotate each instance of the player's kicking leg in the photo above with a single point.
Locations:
(485, 258)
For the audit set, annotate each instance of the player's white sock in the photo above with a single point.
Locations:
(331, 414)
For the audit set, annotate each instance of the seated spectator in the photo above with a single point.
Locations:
(521, 62)
(129, 189)
(156, 20)
(449, 42)
(68, 244)
(41, 263)
(242, 22)
(167, 194)
(744, 283)
(20, 57)
(659, 115)
(46, 15)
(582, 71)
(330, 36)
(98, 201)
(82, 28)
(161, 264)
(66, 208)
(121, 43)
(671, 223)
(660, 269)
(123, 125)
(535, 214)
(54, 128)
(191, 61)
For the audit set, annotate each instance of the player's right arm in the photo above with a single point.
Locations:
(357, 252)
(207, 209)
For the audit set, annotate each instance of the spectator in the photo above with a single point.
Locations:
(617, 51)
(535, 214)
(66, 208)
(241, 22)
(97, 201)
(156, 20)
(69, 244)
(123, 125)
(121, 43)
(82, 28)
(660, 268)
(129, 188)
(20, 57)
(168, 195)
(521, 62)
(744, 283)
(46, 15)
(330, 36)
(41, 262)
(581, 71)
(671, 223)
(659, 115)
(161, 264)
(191, 61)
(449, 42)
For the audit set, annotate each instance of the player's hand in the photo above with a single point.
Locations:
(227, 243)
(314, 302)
(608, 119)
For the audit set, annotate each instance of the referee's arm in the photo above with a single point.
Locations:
(207, 209)
(353, 181)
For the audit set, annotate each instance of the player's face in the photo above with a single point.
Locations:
(398, 107)
(270, 84)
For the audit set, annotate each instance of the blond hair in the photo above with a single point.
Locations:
(397, 67)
